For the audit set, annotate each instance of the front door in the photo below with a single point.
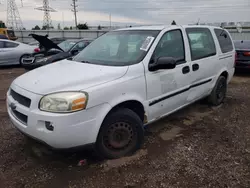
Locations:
(167, 90)
(10, 54)
(2, 53)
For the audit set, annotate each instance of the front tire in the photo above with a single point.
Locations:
(218, 94)
(121, 134)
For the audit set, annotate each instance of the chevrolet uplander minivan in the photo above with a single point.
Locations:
(121, 82)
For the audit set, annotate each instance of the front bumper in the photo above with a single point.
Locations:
(70, 130)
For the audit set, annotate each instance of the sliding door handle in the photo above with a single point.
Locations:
(195, 67)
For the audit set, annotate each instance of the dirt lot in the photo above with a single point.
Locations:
(199, 146)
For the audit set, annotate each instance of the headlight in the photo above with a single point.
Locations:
(64, 102)
(42, 59)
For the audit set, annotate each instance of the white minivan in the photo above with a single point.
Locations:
(121, 82)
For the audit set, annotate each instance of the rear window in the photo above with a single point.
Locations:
(226, 44)
(242, 45)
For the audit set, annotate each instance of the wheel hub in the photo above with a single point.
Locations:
(118, 136)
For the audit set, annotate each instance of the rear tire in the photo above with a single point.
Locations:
(218, 94)
(121, 134)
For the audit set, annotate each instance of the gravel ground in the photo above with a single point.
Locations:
(199, 146)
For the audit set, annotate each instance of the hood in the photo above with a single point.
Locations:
(45, 42)
(67, 75)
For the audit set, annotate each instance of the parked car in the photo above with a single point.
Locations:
(3, 37)
(242, 54)
(65, 49)
(120, 83)
(11, 51)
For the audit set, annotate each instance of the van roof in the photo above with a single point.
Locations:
(161, 27)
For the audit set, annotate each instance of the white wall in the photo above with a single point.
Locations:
(23, 36)
(75, 34)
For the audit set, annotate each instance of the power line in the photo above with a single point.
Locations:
(47, 23)
(74, 10)
(13, 17)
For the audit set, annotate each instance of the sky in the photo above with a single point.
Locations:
(133, 12)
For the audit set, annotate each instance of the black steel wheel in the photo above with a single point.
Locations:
(121, 134)
(219, 92)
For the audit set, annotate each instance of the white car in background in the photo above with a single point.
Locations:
(12, 51)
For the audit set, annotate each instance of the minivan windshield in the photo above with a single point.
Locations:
(118, 48)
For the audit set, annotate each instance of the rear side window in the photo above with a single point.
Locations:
(10, 45)
(201, 43)
(226, 43)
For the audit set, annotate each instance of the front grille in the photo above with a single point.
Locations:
(21, 117)
(20, 99)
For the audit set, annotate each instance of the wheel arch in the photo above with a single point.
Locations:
(134, 105)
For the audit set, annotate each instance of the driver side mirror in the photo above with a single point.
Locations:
(74, 52)
(163, 63)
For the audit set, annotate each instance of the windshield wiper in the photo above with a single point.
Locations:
(85, 62)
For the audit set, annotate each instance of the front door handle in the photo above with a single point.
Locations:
(195, 67)
(185, 70)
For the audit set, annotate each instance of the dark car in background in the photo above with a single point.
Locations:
(4, 37)
(242, 48)
(53, 52)
(56, 40)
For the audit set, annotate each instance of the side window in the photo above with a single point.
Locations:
(10, 45)
(201, 43)
(1, 44)
(226, 44)
(171, 45)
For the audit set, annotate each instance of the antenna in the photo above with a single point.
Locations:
(47, 23)
(74, 10)
(13, 17)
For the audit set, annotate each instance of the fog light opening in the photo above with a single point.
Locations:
(49, 126)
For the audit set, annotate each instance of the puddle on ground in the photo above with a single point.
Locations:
(158, 126)
(115, 163)
(171, 134)
(195, 117)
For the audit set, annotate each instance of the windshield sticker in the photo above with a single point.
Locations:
(146, 44)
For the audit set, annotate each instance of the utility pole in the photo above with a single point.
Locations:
(13, 17)
(74, 11)
(47, 23)
(110, 21)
